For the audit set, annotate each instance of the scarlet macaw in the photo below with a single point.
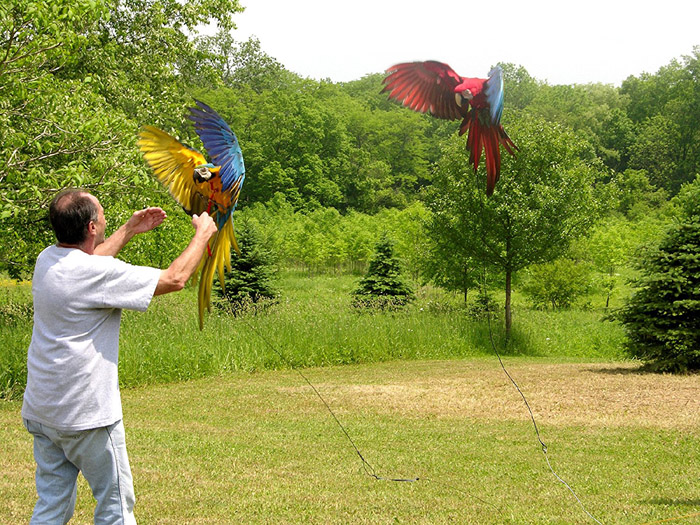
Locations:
(201, 186)
(435, 87)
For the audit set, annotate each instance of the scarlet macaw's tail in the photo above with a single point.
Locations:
(483, 135)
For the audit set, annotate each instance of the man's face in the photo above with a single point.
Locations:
(101, 224)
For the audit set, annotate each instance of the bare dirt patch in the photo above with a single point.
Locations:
(600, 394)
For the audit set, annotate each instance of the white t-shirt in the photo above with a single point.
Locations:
(72, 381)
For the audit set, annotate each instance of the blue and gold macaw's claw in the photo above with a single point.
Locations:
(198, 185)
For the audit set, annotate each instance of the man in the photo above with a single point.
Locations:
(72, 404)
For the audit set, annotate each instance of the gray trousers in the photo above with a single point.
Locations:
(100, 454)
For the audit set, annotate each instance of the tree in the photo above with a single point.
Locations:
(252, 275)
(662, 317)
(542, 202)
(50, 135)
(450, 269)
(636, 197)
(450, 263)
(383, 286)
(556, 284)
(595, 111)
(521, 88)
(665, 107)
(241, 64)
(653, 151)
(77, 79)
(407, 228)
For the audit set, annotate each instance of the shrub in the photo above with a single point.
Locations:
(557, 284)
(484, 306)
(15, 312)
(250, 283)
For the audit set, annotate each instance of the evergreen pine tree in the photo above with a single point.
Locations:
(662, 318)
(252, 275)
(383, 286)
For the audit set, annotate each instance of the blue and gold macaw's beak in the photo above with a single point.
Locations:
(202, 173)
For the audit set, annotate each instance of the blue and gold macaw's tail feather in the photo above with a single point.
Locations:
(219, 261)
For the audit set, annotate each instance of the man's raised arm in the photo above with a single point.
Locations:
(181, 269)
(141, 221)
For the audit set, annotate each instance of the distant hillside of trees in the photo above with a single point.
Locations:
(79, 78)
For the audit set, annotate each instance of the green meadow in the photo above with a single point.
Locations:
(313, 324)
(223, 429)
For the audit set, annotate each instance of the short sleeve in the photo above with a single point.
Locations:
(130, 287)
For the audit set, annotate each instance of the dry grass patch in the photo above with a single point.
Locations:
(599, 394)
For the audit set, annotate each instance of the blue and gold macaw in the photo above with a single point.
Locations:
(201, 186)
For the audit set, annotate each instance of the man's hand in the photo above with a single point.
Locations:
(204, 225)
(141, 221)
(145, 220)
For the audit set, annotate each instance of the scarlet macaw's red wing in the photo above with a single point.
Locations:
(434, 87)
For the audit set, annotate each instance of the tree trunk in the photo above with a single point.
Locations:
(509, 319)
(465, 286)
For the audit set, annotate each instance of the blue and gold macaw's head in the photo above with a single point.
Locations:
(202, 173)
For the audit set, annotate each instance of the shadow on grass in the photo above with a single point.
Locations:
(621, 370)
(642, 369)
(518, 343)
(673, 502)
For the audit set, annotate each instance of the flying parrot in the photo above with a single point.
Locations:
(199, 186)
(435, 87)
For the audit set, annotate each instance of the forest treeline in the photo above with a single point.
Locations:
(329, 166)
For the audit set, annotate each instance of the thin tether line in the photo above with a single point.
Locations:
(534, 423)
(366, 465)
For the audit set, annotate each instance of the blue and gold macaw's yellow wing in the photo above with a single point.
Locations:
(174, 165)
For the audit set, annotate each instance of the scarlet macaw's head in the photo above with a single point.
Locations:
(467, 90)
(462, 97)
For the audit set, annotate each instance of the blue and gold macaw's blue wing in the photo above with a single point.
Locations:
(222, 146)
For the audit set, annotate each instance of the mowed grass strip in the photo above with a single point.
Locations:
(262, 448)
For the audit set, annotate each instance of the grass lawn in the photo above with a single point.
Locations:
(261, 447)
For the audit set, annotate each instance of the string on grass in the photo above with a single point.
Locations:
(532, 416)
(366, 465)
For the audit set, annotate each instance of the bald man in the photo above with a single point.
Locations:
(72, 404)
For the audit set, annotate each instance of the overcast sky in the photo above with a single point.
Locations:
(559, 41)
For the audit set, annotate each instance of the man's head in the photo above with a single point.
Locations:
(75, 215)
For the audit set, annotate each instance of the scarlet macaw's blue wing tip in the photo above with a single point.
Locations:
(494, 93)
